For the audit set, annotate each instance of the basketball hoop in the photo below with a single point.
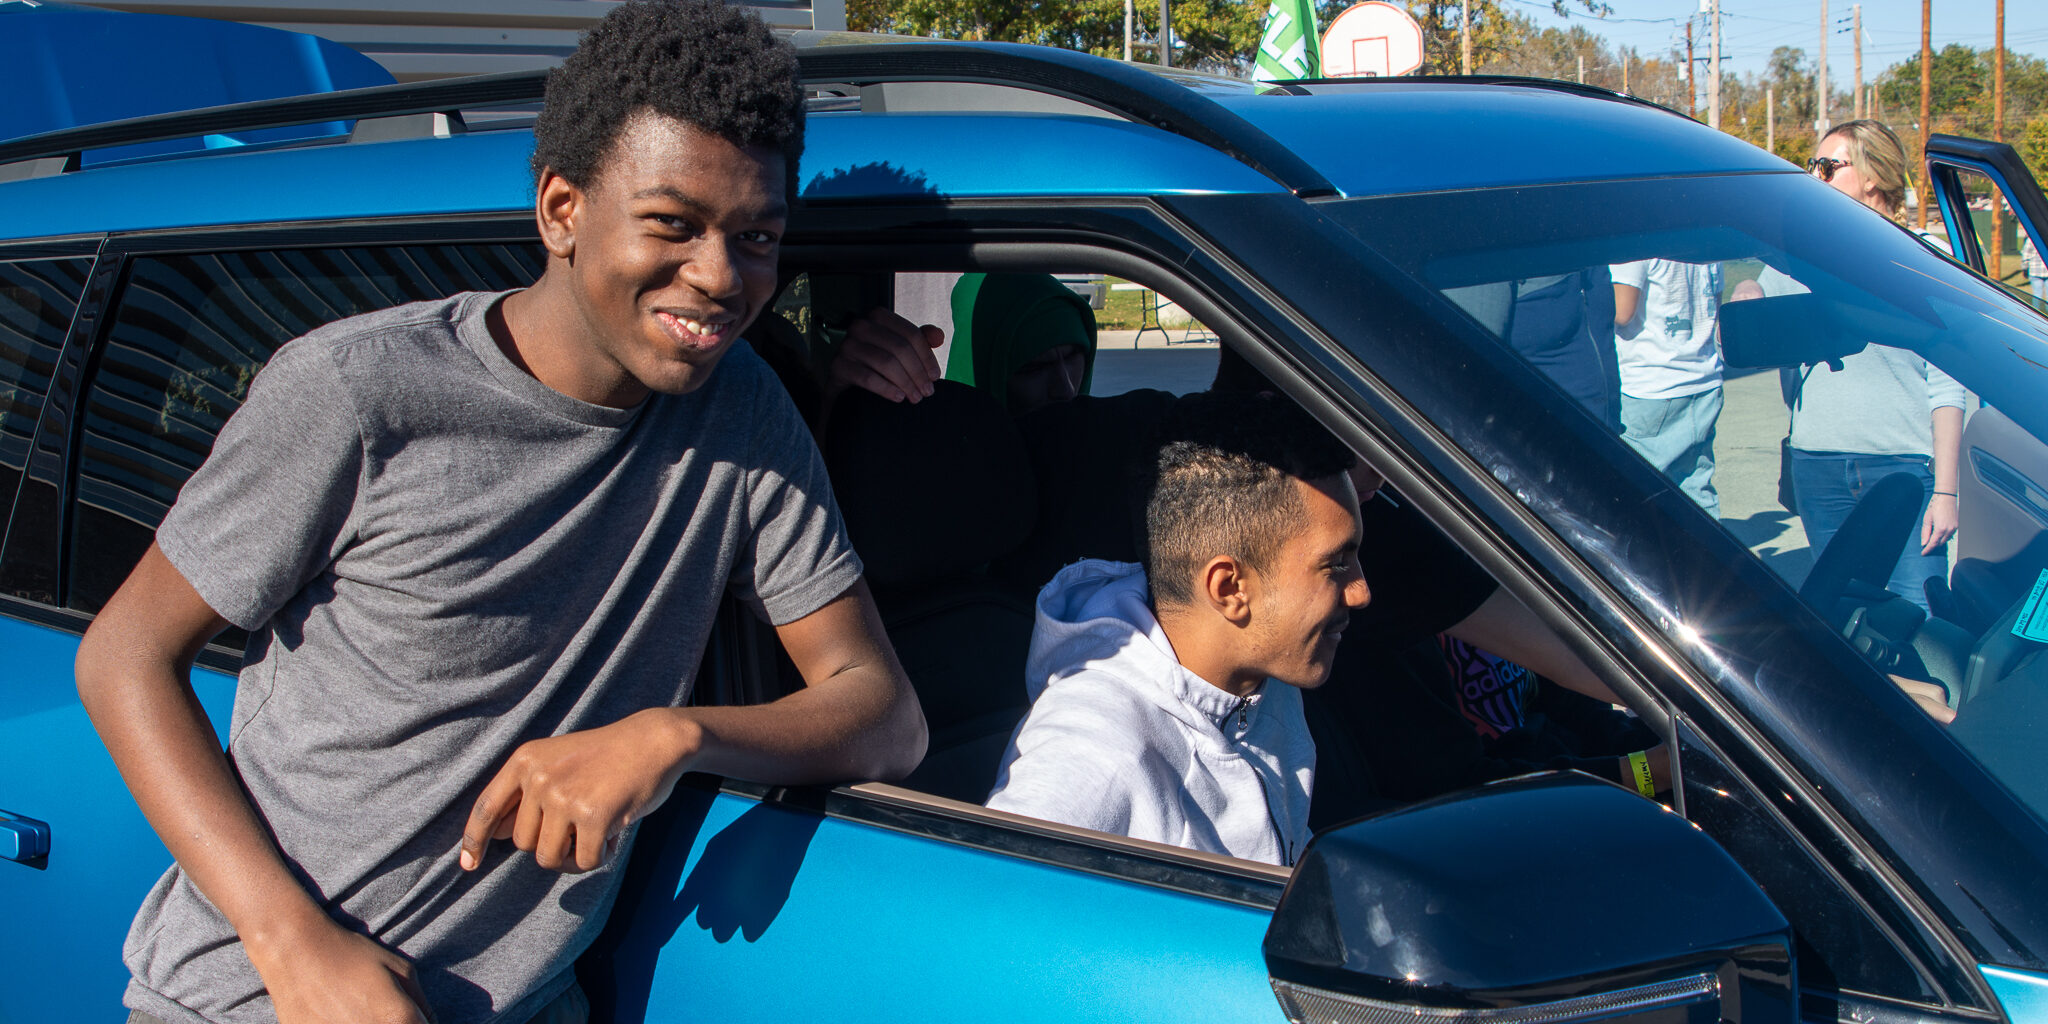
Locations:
(1371, 39)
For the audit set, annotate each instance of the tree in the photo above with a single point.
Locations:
(1212, 34)
(1958, 79)
(2033, 146)
(1215, 35)
(1790, 77)
(1657, 79)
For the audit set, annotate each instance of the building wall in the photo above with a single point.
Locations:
(425, 39)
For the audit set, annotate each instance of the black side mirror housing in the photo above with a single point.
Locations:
(1784, 330)
(1546, 899)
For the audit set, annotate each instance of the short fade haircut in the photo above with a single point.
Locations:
(1222, 483)
(710, 65)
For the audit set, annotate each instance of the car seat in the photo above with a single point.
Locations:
(932, 492)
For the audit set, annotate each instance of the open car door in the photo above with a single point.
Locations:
(1964, 171)
(2003, 540)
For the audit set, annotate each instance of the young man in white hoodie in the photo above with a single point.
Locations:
(1171, 711)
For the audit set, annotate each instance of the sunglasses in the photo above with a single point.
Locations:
(1825, 167)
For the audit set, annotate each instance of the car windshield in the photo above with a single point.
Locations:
(1861, 413)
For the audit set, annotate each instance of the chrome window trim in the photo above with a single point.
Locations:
(1307, 1004)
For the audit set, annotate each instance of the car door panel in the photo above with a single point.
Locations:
(2002, 542)
(103, 854)
(727, 893)
(2023, 995)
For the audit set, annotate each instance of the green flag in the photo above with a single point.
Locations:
(1289, 50)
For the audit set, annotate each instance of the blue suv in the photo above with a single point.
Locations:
(1830, 852)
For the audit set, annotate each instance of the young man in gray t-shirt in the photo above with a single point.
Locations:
(479, 544)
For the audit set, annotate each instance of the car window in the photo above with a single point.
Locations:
(37, 300)
(1774, 324)
(962, 632)
(188, 335)
(1997, 234)
(955, 584)
(1763, 330)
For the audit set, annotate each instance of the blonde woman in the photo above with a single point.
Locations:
(1885, 410)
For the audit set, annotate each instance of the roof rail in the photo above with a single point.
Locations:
(1118, 88)
(1306, 86)
(447, 96)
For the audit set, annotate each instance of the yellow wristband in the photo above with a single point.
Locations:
(1639, 766)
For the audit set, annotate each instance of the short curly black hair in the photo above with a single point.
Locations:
(711, 65)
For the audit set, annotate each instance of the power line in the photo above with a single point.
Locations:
(1608, 19)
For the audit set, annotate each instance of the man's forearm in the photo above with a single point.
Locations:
(861, 723)
(1505, 626)
(856, 717)
(567, 798)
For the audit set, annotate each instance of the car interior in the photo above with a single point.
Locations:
(944, 501)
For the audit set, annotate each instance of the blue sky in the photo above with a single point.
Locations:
(1751, 29)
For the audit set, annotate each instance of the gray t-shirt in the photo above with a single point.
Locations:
(440, 558)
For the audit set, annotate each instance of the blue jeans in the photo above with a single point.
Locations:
(1676, 435)
(1827, 486)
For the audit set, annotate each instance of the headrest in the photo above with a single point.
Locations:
(931, 489)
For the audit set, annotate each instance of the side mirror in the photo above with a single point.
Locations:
(1547, 899)
(1783, 330)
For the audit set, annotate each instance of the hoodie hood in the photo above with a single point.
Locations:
(1098, 615)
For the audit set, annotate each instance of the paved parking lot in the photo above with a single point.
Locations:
(1746, 474)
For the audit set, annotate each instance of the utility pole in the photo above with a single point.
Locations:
(1771, 118)
(1130, 17)
(1998, 81)
(1582, 69)
(1926, 92)
(1626, 60)
(1862, 107)
(1166, 35)
(1465, 37)
(1998, 135)
(1692, 92)
(1820, 81)
(1714, 71)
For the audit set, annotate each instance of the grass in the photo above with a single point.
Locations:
(1124, 311)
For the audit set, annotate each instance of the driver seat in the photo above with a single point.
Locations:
(1847, 587)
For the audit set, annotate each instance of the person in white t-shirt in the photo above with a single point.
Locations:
(1666, 316)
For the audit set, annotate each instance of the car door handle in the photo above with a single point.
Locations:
(24, 840)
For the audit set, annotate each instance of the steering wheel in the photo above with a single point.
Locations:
(1867, 547)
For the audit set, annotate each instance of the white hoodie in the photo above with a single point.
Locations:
(1122, 739)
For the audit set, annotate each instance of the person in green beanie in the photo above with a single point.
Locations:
(1025, 338)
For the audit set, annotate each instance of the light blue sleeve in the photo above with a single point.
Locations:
(1944, 391)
